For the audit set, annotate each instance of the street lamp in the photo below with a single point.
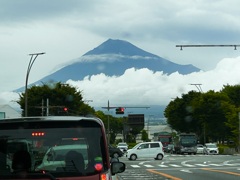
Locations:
(32, 60)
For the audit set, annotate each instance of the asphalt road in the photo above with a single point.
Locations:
(183, 167)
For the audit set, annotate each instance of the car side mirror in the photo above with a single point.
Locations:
(114, 160)
(117, 167)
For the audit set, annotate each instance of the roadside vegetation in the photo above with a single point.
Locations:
(213, 116)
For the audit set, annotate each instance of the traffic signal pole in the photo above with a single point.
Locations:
(119, 110)
(230, 45)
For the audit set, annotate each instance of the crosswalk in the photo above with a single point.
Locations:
(180, 165)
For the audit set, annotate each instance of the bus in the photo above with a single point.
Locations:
(56, 147)
(165, 138)
(185, 143)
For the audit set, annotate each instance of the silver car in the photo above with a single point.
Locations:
(122, 146)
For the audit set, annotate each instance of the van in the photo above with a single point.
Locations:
(146, 150)
(55, 147)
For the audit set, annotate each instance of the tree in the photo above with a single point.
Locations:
(145, 136)
(233, 92)
(179, 113)
(210, 114)
(200, 113)
(115, 124)
(59, 96)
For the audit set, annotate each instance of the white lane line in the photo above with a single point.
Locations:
(174, 165)
(148, 165)
(215, 164)
(135, 166)
(189, 165)
(203, 165)
(186, 170)
(162, 165)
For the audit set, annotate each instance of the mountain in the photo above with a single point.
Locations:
(113, 57)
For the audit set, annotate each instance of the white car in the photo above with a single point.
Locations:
(146, 150)
(122, 146)
(210, 148)
(200, 148)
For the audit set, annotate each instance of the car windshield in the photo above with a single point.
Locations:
(122, 144)
(211, 145)
(60, 149)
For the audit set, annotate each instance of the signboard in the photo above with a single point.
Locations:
(136, 119)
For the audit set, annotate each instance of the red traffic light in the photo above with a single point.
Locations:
(65, 109)
(120, 110)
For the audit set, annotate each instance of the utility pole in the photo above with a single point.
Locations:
(108, 126)
(32, 60)
(198, 86)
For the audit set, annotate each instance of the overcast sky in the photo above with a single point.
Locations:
(67, 29)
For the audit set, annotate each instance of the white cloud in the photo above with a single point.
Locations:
(67, 30)
(144, 87)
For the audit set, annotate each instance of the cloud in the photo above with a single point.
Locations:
(144, 87)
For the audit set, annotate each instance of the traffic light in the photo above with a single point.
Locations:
(65, 109)
(120, 110)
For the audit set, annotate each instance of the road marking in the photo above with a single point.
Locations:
(189, 165)
(186, 170)
(162, 165)
(203, 165)
(165, 175)
(174, 165)
(184, 163)
(226, 172)
(215, 164)
(149, 166)
(144, 162)
(135, 166)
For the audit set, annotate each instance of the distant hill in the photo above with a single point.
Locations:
(113, 57)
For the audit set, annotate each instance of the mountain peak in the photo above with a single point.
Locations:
(116, 46)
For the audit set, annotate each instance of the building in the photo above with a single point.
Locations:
(7, 111)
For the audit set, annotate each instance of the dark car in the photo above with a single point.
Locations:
(115, 152)
(169, 148)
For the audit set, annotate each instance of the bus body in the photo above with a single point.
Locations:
(185, 143)
(165, 138)
(48, 141)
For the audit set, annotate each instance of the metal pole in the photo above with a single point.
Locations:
(108, 125)
(47, 110)
(198, 86)
(32, 60)
(239, 132)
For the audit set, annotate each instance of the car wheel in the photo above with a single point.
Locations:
(159, 157)
(115, 155)
(133, 157)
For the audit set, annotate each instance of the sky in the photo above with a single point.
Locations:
(67, 29)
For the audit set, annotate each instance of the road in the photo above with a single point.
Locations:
(183, 167)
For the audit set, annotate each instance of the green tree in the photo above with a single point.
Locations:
(232, 113)
(233, 92)
(145, 136)
(210, 114)
(115, 125)
(59, 96)
(179, 113)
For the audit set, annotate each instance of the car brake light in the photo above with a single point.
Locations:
(38, 134)
(98, 167)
